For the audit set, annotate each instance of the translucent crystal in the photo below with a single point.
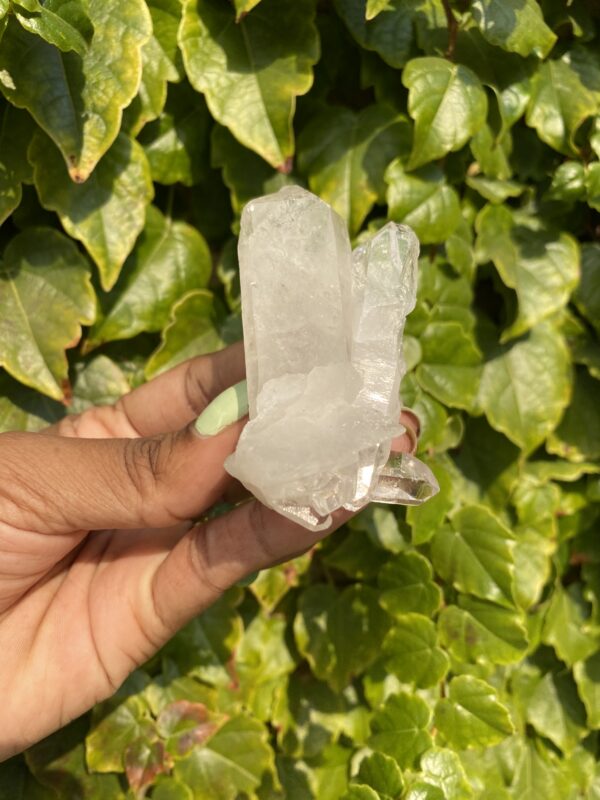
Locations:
(323, 341)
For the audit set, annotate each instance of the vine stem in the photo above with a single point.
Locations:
(452, 29)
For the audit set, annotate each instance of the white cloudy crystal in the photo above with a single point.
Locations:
(323, 340)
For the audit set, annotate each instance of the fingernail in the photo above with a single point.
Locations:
(414, 440)
(417, 421)
(230, 406)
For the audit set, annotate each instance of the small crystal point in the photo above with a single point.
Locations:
(323, 340)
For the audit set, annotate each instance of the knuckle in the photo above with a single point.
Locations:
(194, 391)
(259, 526)
(142, 462)
(203, 560)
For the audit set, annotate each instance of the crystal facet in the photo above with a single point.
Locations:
(323, 340)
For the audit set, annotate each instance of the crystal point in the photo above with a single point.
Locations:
(323, 342)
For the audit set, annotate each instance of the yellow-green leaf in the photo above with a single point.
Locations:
(251, 72)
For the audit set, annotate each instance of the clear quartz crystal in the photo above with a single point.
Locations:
(323, 340)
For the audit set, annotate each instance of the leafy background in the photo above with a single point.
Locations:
(450, 651)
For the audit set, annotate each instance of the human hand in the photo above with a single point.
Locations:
(100, 561)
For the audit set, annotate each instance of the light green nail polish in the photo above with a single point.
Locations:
(227, 408)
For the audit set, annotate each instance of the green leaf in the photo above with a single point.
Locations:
(23, 409)
(389, 33)
(476, 631)
(45, 296)
(587, 678)
(272, 584)
(578, 435)
(234, 760)
(193, 330)
(16, 130)
(382, 773)
(252, 72)
(161, 63)
(399, 728)
(472, 716)
(592, 185)
(243, 7)
(325, 629)
(423, 200)
(496, 191)
(406, 585)
(245, 174)
(587, 296)
(107, 212)
(448, 104)
(532, 554)
(515, 25)
(360, 792)
(568, 182)
(566, 626)
(169, 260)
(77, 100)
(541, 266)
(450, 367)
(375, 7)
(442, 768)
(561, 100)
(97, 383)
(411, 652)
(420, 790)
(476, 555)
(176, 144)
(262, 663)
(533, 776)
(555, 710)
(50, 26)
(345, 155)
(121, 727)
(525, 387)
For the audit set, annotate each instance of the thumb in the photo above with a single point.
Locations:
(55, 483)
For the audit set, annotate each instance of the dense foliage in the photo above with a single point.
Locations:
(455, 647)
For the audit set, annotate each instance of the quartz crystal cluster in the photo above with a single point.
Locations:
(323, 342)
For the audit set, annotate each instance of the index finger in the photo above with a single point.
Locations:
(173, 399)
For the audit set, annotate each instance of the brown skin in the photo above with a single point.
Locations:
(100, 562)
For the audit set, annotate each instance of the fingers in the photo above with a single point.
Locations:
(176, 397)
(211, 557)
(54, 484)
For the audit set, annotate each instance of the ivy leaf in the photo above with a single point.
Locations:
(193, 330)
(325, 629)
(425, 520)
(476, 631)
(388, 32)
(16, 130)
(421, 790)
(555, 710)
(360, 792)
(43, 21)
(476, 555)
(515, 25)
(411, 652)
(375, 7)
(262, 664)
(382, 773)
(525, 387)
(450, 367)
(423, 200)
(578, 434)
(169, 260)
(533, 553)
(177, 143)
(45, 296)
(345, 155)
(245, 174)
(533, 776)
(566, 627)
(79, 101)
(232, 761)
(472, 716)
(541, 266)
(442, 768)
(114, 732)
(448, 104)
(561, 100)
(249, 72)
(406, 585)
(243, 7)
(98, 382)
(587, 678)
(587, 295)
(399, 728)
(107, 212)
(23, 409)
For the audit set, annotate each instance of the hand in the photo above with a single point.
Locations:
(100, 562)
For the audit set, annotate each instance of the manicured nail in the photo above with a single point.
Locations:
(415, 417)
(230, 406)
